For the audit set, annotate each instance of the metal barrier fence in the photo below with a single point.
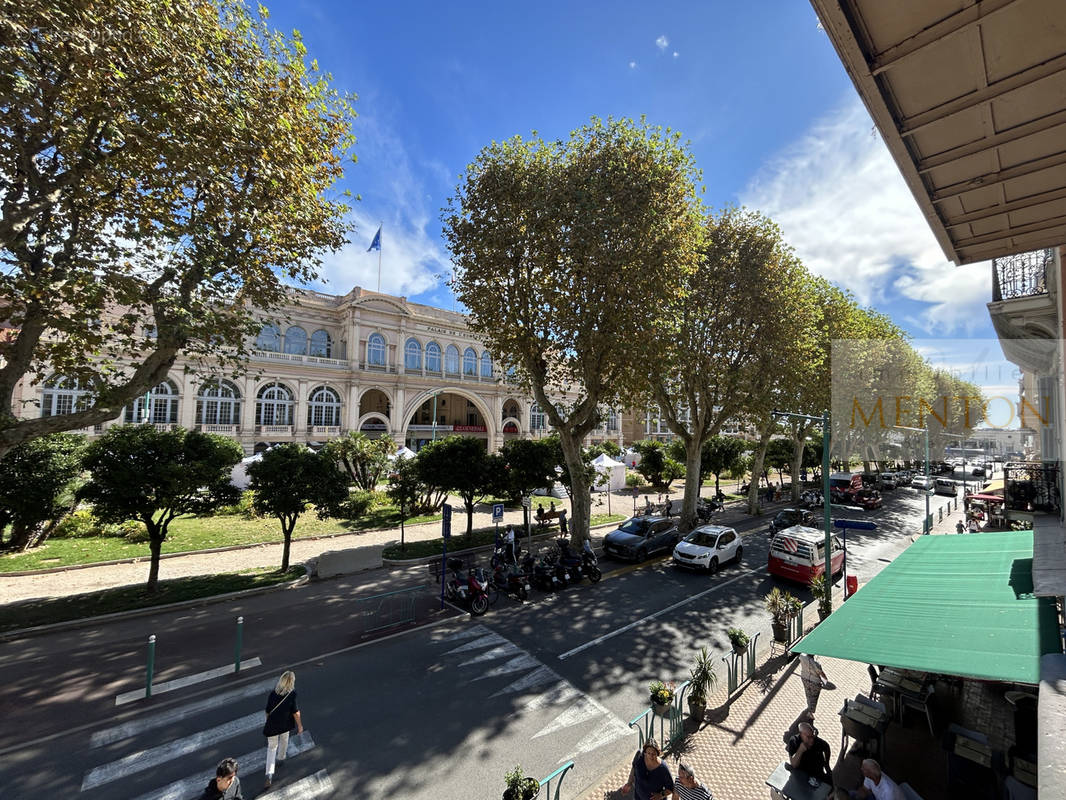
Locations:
(560, 773)
(740, 666)
(672, 717)
(391, 609)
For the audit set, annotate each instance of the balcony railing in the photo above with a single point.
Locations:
(1020, 275)
(299, 358)
(275, 430)
(326, 430)
(227, 430)
(1032, 486)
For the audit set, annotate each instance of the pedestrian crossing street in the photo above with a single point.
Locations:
(129, 756)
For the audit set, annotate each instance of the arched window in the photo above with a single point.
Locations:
(296, 340)
(269, 339)
(63, 396)
(536, 418)
(159, 406)
(412, 355)
(432, 357)
(486, 365)
(375, 350)
(451, 360)
(321, 344)
(219, 403)
(610, 423)
(470, 362)
(324, 408)
(273, 405)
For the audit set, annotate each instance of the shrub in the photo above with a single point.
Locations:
(243, 507)
(79, 525)
(359, 503)
(633, 480)
(133, 531)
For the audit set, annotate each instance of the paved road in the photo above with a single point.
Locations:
(440, 712)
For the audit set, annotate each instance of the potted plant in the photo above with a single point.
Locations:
(738, 639)
(823, 593)
(703, 680)
(519, 786)
(662, 696)
(777, 606)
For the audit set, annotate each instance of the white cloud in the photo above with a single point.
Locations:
(662, 42)
(841, 202)
(632, 64)
(676, 54)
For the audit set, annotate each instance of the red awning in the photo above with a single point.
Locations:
(988, 498)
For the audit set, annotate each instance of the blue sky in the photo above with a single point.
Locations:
(773, 122)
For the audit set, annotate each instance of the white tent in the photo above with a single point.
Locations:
(403, 452)
(631, 458)
(239, 476)
(610, 474)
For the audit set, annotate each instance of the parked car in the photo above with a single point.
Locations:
(799, 554)
(978, 471)
(922, 482)
(867, 499)
(708, 547)
(888, 480)
(639, 537)
(787, 517)
(945, 487)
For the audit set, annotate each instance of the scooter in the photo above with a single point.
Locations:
(467, 588)
(581, 565)
(542, 573)
(510, 580)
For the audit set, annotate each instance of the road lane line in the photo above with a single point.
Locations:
(506, 650)
(488, 640)
(642, 620)
(317, 785)
(138, 726)
(188, 680)
(154, 756)
(249, 763)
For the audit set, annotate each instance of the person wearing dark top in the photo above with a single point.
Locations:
(810, 753)
(649, 777)
(226, 785)
(282, 715)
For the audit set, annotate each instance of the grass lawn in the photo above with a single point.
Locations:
(477, 538)
(196, 533)
(126, 598)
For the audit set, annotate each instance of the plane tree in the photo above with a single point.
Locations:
(566, 255)
(163, 168)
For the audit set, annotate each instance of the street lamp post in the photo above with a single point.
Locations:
(824, 419)
(927, 519)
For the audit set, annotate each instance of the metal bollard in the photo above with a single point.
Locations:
(237, 649)
(151, 666)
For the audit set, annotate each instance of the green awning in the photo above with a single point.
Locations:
(955, 605)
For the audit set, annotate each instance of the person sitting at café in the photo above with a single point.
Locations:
(808, 752)
(876, 784)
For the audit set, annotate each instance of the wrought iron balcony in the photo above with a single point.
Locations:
(1020, 275)
(1032, 486)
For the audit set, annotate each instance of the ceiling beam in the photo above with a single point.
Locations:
(957, 22)
(994, 178)
(1010, 135)
(1051, 223)
(1010, 245)
(912, 125)
(1006, 208)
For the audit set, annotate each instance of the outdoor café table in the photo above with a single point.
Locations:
(792, 784)
(863, 722)
(892, 683)
(970, 771)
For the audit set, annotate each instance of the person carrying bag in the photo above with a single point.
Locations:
(282, 715)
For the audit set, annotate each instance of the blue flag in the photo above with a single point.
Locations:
(376, 244)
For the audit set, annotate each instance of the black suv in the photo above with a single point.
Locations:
(787, 517)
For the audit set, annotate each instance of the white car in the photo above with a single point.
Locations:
(707, 548)
(922, 482)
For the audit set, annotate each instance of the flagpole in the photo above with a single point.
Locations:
(379, 260)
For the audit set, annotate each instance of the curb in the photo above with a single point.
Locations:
(74, 624)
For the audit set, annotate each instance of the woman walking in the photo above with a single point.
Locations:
(813, 677)
(282, 715)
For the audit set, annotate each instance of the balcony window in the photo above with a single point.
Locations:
(486, 365)
(219, 403)
(412, 355)
(159, 406)
(324, 408)
(451, 360)
(432, 357)
(273, 405)
(63, 396)
(269, 339)
(470, 362)
(536, 418)
(375, 350)
(296, 341)
(321, 344)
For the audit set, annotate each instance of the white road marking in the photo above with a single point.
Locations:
(660, 612)
(609, 730)
(135, 727)
(308, 788)
(146, 759)
(561, 692)
(489, 640)
(503, 651)
(536, 678)
(579, 712)
(516, 664)
(188, 680)
(476, 630)
(249, 764)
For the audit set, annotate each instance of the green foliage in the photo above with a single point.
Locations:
(36, 477)
(184, 158)
(529, 464)
(81, 524)
(703, 676)
(779, 455)
(721, 455)
(562, 468)
(290, 478)
(363, 459)
(461, 465)
(661, 693)
(137, 472)
(607, 447)
(633, 479)
(244, 507)
(408, 491)
(657, 468)
(737, 638)
(359, 503)
(822, 591)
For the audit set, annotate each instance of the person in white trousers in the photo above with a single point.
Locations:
(282, 715)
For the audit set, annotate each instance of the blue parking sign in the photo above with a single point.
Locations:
(497, 512)
(446, 521)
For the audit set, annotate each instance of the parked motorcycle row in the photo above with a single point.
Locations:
(475, 588)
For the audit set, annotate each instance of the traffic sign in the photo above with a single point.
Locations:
(855, 524)
(497, 512)
(527, 502)
(446, 521)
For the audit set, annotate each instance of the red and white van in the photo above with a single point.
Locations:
(798, 553)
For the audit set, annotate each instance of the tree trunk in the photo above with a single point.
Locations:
(580, 501)
(757, 467)
(798, 446)
(155, 546)
(287, 526)
(693, 460)
(469, 516)
(21, 536)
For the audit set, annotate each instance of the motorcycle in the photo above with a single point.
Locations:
(541, 573)
(510, 580)
(581, 565)
(705, 508)
(467, 588)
